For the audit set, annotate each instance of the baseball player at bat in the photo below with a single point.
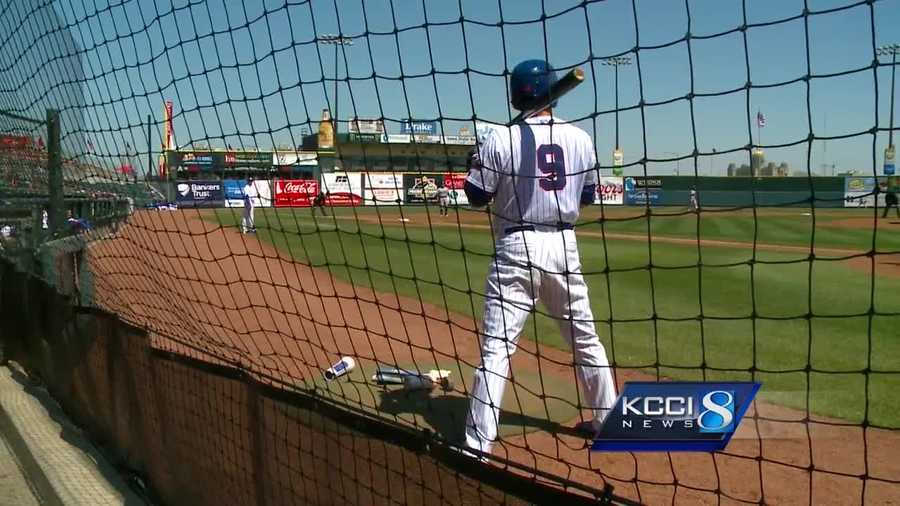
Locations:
(535, 174)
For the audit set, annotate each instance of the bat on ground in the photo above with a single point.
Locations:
(412, 380)
(568, 82)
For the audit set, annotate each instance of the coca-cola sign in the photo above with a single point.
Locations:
(295, 192)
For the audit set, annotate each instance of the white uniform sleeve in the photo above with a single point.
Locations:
(590, 157)
(488, 167)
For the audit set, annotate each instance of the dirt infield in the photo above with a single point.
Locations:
(215, 294)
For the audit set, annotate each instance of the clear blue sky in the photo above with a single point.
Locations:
(252, 74)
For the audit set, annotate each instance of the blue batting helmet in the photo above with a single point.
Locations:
(530, 80)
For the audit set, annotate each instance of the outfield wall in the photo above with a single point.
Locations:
(417, 188)
(734, 191)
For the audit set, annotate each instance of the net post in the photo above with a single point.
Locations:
(54, 171)
(36, 225)
(149, 175)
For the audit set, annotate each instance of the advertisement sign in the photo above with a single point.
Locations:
(295, 192)
(618, 161)
(399, 138)
(859, 184)
(342, 188)
(638, 182)
(15, 142)
(367, 138)
(262, 196)
(459, 198)
(418, 127)
(860, 192)
(420, 188)
(426, 139)
(383, 188)
(466, 140)
(366, 126)
(610, 191)
(199, 194)
(201, 159)
(455, 181)
(248, 159)
(643, 197)
(234, 192)
(675, 416)
(288, 159)
(889, 154)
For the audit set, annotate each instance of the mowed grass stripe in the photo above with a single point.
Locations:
(783, 340)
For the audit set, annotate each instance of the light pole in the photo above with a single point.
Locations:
(337, 41)
(677, 161)
(615, 62)
(890, 49)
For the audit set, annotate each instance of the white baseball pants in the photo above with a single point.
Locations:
(247, 221)
(528, 266)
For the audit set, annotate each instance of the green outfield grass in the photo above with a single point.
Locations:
(784, 226)
(428, 262)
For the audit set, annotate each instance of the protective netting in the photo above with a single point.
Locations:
(769, 278)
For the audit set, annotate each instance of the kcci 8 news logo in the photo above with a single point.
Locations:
(675, 416)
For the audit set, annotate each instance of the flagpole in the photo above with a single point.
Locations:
(758, 133)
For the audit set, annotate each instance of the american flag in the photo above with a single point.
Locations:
(760, 119)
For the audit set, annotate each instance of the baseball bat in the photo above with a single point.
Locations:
(411, 380)
(568, 82)
(434, 374)
(387, 379)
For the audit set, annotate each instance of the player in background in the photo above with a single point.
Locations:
(319, 203)
(694, 202)
(248, 224)
(890, 196)
(443, 195)
(536, 175)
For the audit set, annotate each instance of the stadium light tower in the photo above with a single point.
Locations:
(337, 41)
(615, 62)
(889, 152)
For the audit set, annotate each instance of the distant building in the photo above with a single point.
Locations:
(757, 161)
(735, 171)
(758, 167)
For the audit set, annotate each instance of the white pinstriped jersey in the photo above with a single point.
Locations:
(536, 173)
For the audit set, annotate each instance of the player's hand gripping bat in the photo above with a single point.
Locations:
(563, 86)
